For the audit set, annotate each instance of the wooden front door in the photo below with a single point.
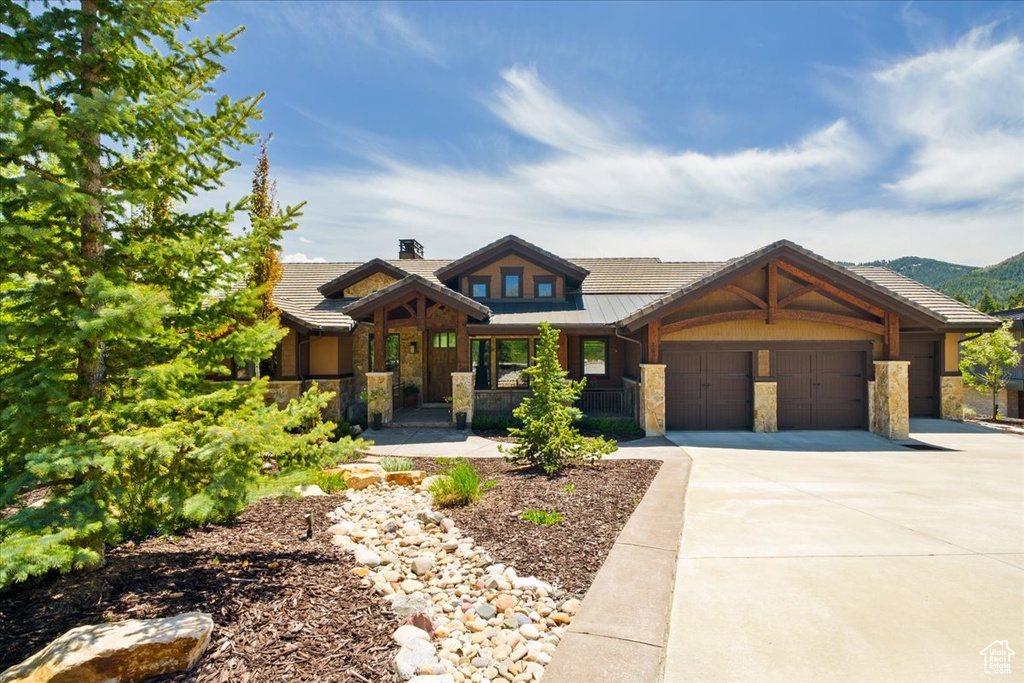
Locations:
(441, 363)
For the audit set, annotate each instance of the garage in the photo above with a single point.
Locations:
(821, 388)
(922, 377)
(707, 389)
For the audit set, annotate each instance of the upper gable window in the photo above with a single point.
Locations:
(544, 287)
(480, 287)
(512, 283)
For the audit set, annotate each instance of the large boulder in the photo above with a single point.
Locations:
(126, 651)
(406, 477)
(359, 475)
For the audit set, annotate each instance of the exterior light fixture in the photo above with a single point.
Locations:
(412, 347)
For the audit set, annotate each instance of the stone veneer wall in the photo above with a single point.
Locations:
(383, 404)
(410, 365)
(360, 356)
(498, 401)
(951, 397)
(892, 399)
(462, 395)
(283, 391)
(766, 411)
(368, 285)
(652, 393)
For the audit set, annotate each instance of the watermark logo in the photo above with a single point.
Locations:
(997, 657)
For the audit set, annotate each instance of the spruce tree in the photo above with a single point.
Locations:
(266, 268)
(987, 303)
(548, 440)
(119, 307)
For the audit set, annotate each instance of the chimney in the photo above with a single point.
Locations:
(409, 249)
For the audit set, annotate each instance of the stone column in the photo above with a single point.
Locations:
(892, 399)
(379, 395)
(652, 398)
(871, 407)
(766, 401)
(951, 397)
(463, 395)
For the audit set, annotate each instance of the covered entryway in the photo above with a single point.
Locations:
(822, 388)
(922, 377)
(707, 389)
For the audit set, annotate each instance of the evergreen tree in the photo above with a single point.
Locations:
(987, 361)
(117, 308)
(1016, 299)
(548, 440)
(987, 303)
(266, 267)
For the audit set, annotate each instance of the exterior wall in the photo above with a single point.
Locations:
(493, 270)
(462, 395)
(766, 407)
(951, 353)
(281, 392)
(361, 355)
(410, 365)
(287, 354)
(498, 401)
(781, 330)
(652, 395)
(368, 285)
(981, 404)
(380, 395)
(323, 356)
(633, 354)
(891, 403)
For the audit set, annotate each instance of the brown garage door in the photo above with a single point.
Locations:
(707, 389)
(821, 389)
(923, 380)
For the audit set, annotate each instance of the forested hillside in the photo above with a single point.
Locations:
(1004, 280)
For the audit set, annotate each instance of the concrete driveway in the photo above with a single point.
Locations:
(840, 556)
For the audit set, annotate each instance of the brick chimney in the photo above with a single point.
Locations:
(409, 249)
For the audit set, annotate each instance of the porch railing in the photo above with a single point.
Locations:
(604, 402)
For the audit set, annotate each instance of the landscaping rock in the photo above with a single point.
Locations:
(362, 481)
(406, 477)
(407, 605)
(412, 656)
(420, 620)
(126, 651)
(309, 490)
(407, 633)
(531, 583)
(570, 606)
(444, 678)
(486, 611)
(429, 481)
(423, 564)
(447, 524)
(367, 557)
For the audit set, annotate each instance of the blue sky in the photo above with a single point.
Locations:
(687, 131)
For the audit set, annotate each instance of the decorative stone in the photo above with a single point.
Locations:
(529, 631)
(309, 490)
(891, 403)
(486, 611)
(429, 481)
(358, 482)
(423, 564)
(463, 395)
(341, 528)
(413, 655)
(951, 397)
(652, 398)
(411, 586)
(407, 605)
(443, 678)
(531, 583)
(447, 524)
(128, 651)
(766, 399)
(505, 602)
(367, 557)
(407, 633)
(406, 477)
(420, 620)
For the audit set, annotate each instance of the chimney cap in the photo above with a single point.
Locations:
(410, 249)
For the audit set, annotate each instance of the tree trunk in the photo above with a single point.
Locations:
(995, 403)
(91, 368)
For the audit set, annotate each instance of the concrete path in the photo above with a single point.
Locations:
(430, 442)
(844, 557)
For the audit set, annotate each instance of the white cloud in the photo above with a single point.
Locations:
(302, 258)
(962, 110)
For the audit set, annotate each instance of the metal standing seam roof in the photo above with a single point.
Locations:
(615, 289)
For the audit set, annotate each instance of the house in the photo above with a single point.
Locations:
(998, 656)
(1010, 399)
(780, 338)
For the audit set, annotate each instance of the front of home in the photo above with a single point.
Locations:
(778, 339)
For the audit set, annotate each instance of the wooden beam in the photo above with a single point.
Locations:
(831, 319)
(401, 322)
(563, 350)
(654, 341)
(749, 296)
(790, 298)
(421, 323)
(773, 290)
(462, 343)
(713, 318)
(832, 290)
(380, 342)
(891, 339)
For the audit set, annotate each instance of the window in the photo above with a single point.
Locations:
(544, 287)
(511, 283)
(595, 357)
(394, 344)
(513, 358)
(442, 340)
(480, 357)
(480, 287)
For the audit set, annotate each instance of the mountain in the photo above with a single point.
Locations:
(1002, 279)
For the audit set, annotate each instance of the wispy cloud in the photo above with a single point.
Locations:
(299, 257)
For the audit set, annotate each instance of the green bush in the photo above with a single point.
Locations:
(548, 440)
(329, 482)
(391, 463)
(494, 422)
(610, 425)
(569, 488)
(458, 485)
(542, 517)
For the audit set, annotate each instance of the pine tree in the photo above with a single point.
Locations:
(266, 268)
(987, 303)
(117, 307)
(987, 361)
(548, 440)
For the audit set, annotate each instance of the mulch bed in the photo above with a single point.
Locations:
(570, 553)
(308, 619)
(1014, 425)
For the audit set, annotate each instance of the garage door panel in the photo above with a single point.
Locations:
(821, 389)
(730, 398)
(922, 377)
(708, 390)
(684, 394)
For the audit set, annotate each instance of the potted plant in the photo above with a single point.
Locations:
(411, 395)
(460, 420)
(373, 398)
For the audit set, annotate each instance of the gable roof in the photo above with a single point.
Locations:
(360, 308)
(517, 245)
(371, 267)
(940, 314)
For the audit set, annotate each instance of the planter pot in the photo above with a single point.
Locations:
(411, 401)
(377, 418)
(460, 420)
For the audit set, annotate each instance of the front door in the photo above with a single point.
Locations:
(441, 363)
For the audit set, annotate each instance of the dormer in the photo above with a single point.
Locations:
(363, 280)
(512, 269)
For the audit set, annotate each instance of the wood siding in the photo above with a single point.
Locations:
(530, 271)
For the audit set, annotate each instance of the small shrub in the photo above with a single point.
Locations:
(494, 422)
(611, 425)
(569, 488)
(542, 517)
(329, 482)
(391, 463)
(489, 484)
(458, 485)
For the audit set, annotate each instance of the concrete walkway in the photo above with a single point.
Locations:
(844, 557)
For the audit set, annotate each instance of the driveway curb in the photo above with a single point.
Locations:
(619, 633)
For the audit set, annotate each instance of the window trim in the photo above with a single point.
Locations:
(484, 280)
(505, 272)
(450, 340)
(370, 351)
(607, 357)
(489, 343)
(539, 280)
